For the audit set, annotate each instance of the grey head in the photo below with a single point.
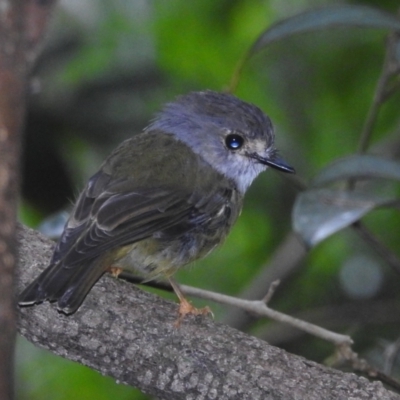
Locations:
(234, 137)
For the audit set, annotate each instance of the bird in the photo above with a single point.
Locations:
(164, 198)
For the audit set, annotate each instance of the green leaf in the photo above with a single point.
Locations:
(327, 17)
(319, 213)
(358, 167)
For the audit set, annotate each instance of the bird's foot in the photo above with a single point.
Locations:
(115, 271)
(186, 308)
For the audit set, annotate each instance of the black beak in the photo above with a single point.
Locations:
(274, 162)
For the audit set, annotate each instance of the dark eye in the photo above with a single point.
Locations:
(234, 141)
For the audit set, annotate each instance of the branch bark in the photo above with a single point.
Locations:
(129, 334)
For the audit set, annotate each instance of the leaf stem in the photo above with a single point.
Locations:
(380, 96)
(234, 82)
(389, 256)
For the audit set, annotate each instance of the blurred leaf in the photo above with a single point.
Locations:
(395, 53)
(42, 375)
(319, 213)
(327, 17)
(359, 167)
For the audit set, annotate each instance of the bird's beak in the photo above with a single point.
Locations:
(274, 162)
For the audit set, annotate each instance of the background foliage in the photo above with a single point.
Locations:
(108, 66)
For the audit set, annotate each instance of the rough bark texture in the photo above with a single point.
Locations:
(129, 334)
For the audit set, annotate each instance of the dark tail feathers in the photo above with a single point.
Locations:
(67, 286)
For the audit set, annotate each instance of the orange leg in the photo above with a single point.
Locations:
(115, 271)
(185, 307)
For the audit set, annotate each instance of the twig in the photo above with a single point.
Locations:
(257, 307)
(355, 315)
(284, 262)
(391, 352)
(379, 96)
(271, 291)
(359, 364)
(388, 255)
(237, 73)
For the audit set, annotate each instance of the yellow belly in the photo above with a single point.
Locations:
(152, 258)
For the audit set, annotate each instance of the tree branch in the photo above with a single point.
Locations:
(129, 334)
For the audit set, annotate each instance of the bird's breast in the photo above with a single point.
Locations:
(163, 255)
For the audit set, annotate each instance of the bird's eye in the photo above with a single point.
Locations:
(234, 141)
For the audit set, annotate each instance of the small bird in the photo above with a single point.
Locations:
(162, 199)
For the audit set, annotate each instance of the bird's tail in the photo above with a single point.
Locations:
(66, 285)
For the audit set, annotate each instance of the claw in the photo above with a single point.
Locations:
(185, 307)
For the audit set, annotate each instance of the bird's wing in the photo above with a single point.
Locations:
(113, 214)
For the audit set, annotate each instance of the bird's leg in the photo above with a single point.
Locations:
(115, 271)
(185, 307)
